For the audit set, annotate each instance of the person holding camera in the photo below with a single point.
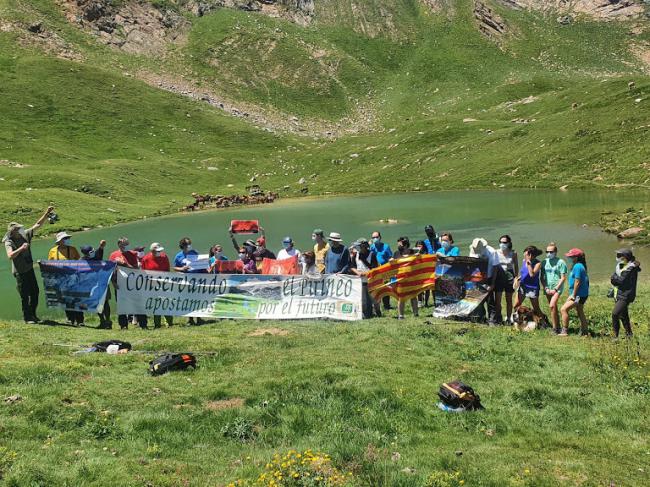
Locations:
(17, 242)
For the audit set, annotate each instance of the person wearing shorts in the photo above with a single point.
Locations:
(578, 292)
(553, 276)
(529, 285)
(505, 278)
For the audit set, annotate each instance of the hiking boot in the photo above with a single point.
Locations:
(556, 331)
(564, 332)
(585, 333)
(30, 322)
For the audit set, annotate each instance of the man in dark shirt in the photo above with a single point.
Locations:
(17, 242)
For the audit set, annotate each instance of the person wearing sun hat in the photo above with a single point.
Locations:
(63, 250)
(337, 259)
(578, 292)
(624, 280)
(17, 243)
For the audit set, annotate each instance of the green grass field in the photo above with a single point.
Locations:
(558, 411)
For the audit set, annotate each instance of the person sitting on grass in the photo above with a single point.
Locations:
(578, 292)
(63, 250)
(88, 252)
(17, 243)
(157, 260)
(553, 275)
(624, 280)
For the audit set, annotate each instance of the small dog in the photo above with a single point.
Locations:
(525, 319)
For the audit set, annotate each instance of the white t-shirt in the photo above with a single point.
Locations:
(493, 259)
(287, 254)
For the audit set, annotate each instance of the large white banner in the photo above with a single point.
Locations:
(243, 296)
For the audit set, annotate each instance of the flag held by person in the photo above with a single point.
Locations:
(403, 278)
(245, 226)
(281, 267)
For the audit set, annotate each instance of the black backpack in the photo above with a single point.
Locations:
(172, 361)
(102, 346)
(456, 394)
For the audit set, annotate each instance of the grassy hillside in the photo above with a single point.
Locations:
(558, 411)
(393, 95)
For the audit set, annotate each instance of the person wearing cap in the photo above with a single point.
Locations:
(124, 257)
(360, 265)
(88, 252)
(480, 249)
(624, 280)
(253, 246)
(337, 258)
(17, 243)
(320, 248)
(578, 292)
(288, 250)
(383, 253)
(157, 260)
(432, 242)
(63, 250)
(553, 275)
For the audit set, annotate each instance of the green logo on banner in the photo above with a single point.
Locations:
(346, 308)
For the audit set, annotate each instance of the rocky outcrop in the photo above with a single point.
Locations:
(489, 23)
(594, 9)
(298, 11)
(134, 27)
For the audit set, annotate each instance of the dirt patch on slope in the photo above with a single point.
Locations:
(596, 9)
(260, 332)
(233, 403)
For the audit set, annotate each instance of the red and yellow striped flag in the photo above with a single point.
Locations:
(403, 278)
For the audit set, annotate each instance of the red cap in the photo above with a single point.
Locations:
(574, 253)
(261, 241)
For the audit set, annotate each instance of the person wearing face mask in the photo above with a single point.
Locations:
(578, 292)
(447, 247)
(63, 250)
(288, 250)
(183, 259)
(383, 253)
(361, 264)
(505, 279)
(624, 280)
(246, 255)
(553, 275)
(337, 259)
(215, 255)
(529, 280)
(320, 248)
(481, 250)
(432, 242)
(124, 257)
(17, 242)
(88, 252)
(404, 250)
(157, 260)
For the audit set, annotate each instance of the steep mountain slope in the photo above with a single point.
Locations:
(128, 106)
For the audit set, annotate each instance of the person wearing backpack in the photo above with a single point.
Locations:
(624, 280)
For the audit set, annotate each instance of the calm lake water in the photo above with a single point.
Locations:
(530, 217)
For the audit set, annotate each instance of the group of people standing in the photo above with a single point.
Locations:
(507, 275)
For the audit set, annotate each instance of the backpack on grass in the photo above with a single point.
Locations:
(170, 362)
(456, 394)
(116, 345)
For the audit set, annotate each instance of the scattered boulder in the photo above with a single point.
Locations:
(13, 399)
(35, 28)
(565, 19)
(489, 23)
(630, 233)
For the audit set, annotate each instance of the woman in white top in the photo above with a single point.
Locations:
(505, 279)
